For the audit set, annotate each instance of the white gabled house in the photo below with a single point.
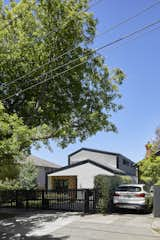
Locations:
(85, 164)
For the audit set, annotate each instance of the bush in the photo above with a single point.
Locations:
(9, 184)
(106, 186)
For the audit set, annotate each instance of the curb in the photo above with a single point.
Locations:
(156, 225)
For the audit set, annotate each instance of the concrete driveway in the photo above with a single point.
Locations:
(112, 227)
(72, 226)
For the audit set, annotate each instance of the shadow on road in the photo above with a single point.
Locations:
(21, 227)
(130, 211)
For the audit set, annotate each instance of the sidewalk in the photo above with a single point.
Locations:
(156, 224)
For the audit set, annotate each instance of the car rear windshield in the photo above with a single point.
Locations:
(128, 189)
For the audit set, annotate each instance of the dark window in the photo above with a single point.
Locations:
(125, 162)
(61, 184)
(128, 189)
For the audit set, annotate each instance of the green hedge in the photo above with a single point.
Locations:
(106, 186)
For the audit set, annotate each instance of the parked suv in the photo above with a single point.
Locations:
(133, 196)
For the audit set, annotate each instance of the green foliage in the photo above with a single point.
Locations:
(106, 186)
(9, 171)
(15, 140)
(75, 105)
(149, 170)
(28, 176)
(9, 184)
(125, 179)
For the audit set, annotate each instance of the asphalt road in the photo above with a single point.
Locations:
(72, 226)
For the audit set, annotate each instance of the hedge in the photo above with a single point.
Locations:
(106, 186)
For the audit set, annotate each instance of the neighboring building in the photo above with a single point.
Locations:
(44, 167)
(85, 164)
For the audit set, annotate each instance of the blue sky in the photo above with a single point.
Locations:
(139, 59)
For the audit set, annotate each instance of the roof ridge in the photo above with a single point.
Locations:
(115, 171)
(94, 150)
(98, 151)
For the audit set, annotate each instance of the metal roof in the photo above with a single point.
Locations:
(98, 151)
(41, 162)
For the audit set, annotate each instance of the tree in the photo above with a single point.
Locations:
(28, 176)
(76, 104)
(15, 141)
(149, 169)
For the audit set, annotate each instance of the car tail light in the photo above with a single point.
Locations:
(140, 195)
(116, 195)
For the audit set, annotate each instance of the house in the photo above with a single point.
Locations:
(85, 164)
(44, 167)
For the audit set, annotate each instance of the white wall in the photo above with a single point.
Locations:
(104, 159)
(85, 174)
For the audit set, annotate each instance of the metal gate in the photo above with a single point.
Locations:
(80, 200)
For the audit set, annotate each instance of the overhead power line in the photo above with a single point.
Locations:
(126, 20)
(73, 49)
(127, 36)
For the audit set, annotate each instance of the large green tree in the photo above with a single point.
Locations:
(27, 178)
(15, 141)
(149, 167)
(73, 105)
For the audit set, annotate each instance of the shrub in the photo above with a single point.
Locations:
(106, 186)
(9, 184)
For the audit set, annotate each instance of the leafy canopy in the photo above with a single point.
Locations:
(74, 105)
(15, 140)
(26, 178)
(149, 167)
(150, 170)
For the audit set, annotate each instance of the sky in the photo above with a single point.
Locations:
(139, 59)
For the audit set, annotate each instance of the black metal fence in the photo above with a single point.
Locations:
(81, 200)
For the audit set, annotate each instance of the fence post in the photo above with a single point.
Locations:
(86, 201)
(26, 196)
(156, 201)
(95, 199)
(43, 200)
(17, 199)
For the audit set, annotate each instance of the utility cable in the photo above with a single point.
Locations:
(71, 50)
(94, 51)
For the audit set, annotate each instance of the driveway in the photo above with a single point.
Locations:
(112, 227)
(72, 226)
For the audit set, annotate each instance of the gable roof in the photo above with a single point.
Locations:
(96, 151)
(108, 168)
(39, 162)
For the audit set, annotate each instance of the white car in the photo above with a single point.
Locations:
(133, 196)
